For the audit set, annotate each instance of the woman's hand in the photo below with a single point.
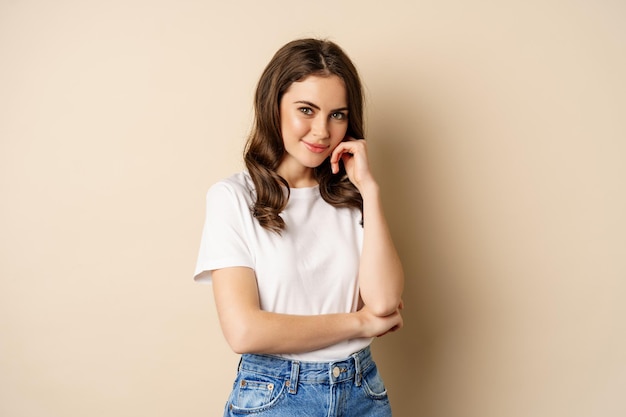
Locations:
(353, 153)
(376, 326)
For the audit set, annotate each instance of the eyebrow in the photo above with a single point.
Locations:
(315, 106)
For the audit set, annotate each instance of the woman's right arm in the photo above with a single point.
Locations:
(248, 329)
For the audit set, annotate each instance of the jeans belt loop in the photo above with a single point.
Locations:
(357, 370)
(293, 378)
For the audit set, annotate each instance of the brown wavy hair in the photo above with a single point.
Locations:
(264, 149)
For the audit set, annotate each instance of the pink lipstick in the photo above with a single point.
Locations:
(315, 148)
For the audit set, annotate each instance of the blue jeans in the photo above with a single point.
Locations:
(270, 386)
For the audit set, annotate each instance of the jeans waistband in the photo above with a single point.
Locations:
(351, 368)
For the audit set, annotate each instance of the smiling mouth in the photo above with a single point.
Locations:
(315, 148)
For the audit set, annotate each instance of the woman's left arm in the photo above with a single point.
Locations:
(381, 278)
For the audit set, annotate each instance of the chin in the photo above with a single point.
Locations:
(311, 161)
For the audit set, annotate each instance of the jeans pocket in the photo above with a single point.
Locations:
(373, 384)
(255, 393)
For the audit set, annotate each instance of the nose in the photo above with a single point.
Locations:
(320, 128)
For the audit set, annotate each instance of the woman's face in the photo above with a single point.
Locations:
(313, 121)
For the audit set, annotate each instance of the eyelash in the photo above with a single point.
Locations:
(336, 115)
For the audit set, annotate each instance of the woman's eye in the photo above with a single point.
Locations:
(338, 116)
(306, 110)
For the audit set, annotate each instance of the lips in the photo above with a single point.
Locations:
(315, 148)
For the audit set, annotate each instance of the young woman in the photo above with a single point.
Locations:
(303, 267)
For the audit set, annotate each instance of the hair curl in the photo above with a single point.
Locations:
(264, 149)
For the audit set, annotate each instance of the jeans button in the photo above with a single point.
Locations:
(336, 371)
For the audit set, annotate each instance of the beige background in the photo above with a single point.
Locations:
(497, 130)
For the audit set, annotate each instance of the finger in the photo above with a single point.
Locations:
(345, 150)
(338, 153)
(334, 162)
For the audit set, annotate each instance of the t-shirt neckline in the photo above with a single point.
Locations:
(304, 192)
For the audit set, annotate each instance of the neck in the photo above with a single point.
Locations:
(297, 176)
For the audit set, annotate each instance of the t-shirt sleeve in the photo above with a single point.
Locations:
(223, 242)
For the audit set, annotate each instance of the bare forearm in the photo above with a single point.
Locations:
(381, 277)
(248, 329)
(264, 332)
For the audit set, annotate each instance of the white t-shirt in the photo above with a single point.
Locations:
(310, 269)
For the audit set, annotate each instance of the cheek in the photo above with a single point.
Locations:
(294, 125)
(338, 132)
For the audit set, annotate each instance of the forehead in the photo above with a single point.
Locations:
(325, 91)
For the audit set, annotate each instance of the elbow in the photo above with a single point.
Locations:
(383, 311)
(384, 308)
(237, 342)
(239, 350)
(382, 303)
(237, 346)
(241, 338)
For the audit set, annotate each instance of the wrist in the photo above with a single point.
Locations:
(369, 189)
(360, 321)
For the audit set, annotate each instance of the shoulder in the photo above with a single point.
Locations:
(237, 189)
(238, 186)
